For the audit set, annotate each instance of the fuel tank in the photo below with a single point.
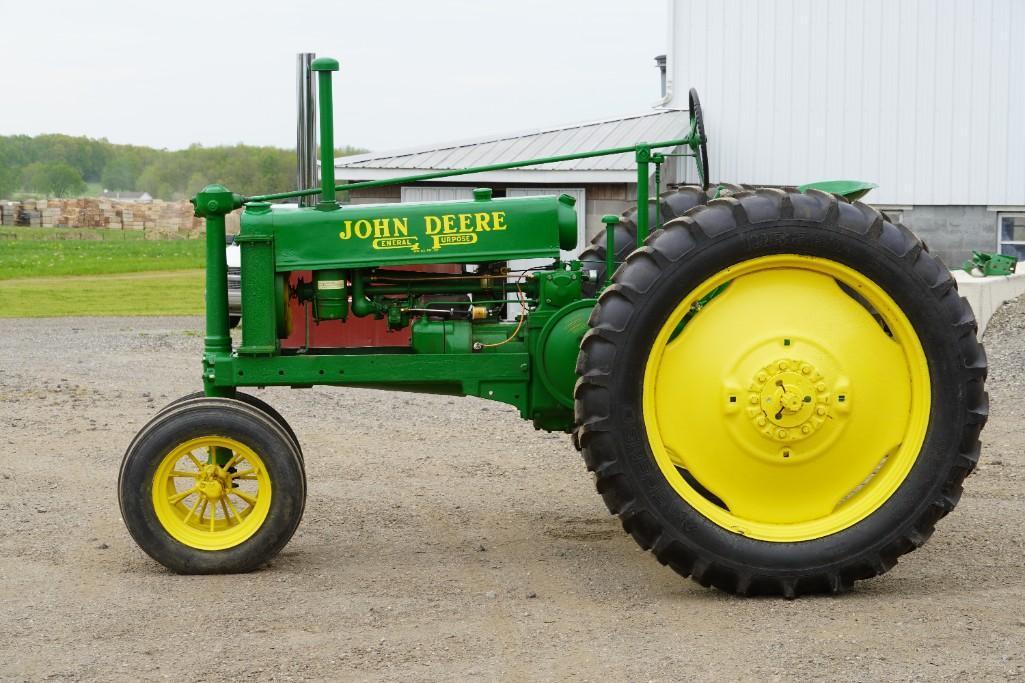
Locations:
(366, 235)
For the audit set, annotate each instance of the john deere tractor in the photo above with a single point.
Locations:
(778, 391)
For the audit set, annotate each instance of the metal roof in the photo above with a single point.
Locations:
(665, 124)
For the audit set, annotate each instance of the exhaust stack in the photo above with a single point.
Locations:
(306, 127)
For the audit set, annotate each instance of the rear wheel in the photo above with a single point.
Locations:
(798, 393)
(212, 486)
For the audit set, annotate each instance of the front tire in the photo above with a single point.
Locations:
(781, 393)
(212, 486)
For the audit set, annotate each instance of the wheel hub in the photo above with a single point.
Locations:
(788, 400)
(213, 482)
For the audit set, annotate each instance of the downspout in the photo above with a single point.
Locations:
(660, 62)
(668, 69)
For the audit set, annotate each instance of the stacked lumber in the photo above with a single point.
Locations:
(156, 218)
(9, 213)
(29, 215)
(159, 217)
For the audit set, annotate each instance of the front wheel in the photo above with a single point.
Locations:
(781, 393)
(212, 485)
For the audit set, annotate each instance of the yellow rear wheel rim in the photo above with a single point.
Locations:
(209, 506)
(784, 410)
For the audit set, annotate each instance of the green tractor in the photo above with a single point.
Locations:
(777, 391)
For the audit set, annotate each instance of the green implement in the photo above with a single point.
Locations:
(985, 264)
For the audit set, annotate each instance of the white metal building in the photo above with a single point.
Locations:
(926, 98)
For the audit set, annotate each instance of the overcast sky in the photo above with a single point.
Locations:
(169, 74)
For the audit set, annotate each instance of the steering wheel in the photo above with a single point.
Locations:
(699, 143)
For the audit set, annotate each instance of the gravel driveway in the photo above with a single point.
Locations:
(444, 538)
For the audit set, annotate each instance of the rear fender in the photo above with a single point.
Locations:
(851, 190)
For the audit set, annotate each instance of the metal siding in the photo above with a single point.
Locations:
(915, 95)
(1015, 168)
(425, 193)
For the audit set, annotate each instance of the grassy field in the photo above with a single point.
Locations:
(177, 292)
(34, 252)
(103, 272)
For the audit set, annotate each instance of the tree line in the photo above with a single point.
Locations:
(65, 166)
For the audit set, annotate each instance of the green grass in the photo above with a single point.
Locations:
(38, 252)
(127, 294)
(68, 272)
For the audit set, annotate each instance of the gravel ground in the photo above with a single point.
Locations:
(443, 539)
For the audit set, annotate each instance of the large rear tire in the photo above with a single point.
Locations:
(781, 393)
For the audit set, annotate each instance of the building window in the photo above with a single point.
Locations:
(1011, 234)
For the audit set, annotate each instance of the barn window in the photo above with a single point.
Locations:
(1011, 234)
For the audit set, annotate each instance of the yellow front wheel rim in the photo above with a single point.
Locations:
(792, 404)
(211, 506)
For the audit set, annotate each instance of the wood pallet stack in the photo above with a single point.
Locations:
(9, 212)
(30, 216)
(128, 218)
(157, 218)
(110, 215)
(50, 212)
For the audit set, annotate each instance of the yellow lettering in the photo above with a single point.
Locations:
(381, 227)
(396, 243)
(362, 228)
(449, 220)
(433, 224)
(499, 217)
(483, 221)
(346, 233)
(465, 222)
(400, 226)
